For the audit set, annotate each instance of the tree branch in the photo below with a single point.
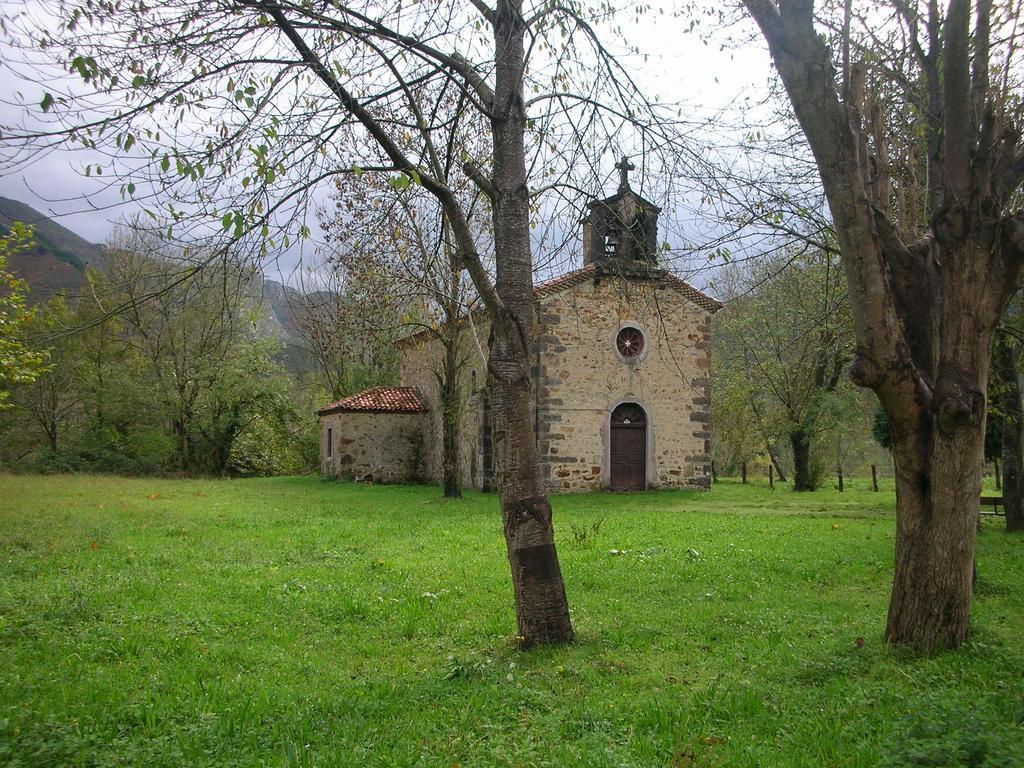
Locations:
(956, 97)
(471, 257)
(472, 170)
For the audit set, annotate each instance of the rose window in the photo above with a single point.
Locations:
(630, 342)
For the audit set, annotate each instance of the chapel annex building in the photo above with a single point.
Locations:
(620, 382)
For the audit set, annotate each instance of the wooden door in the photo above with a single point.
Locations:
(628, 448)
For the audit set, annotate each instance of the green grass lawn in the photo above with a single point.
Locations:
(290, 621)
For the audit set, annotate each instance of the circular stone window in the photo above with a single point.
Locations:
(630, 342)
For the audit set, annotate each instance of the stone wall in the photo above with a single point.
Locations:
(378, 447)
(580, 380)
(583, 378)
(420, 363)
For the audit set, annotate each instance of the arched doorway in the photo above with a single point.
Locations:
(628, 448)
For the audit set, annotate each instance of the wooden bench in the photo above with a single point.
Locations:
(996, 502)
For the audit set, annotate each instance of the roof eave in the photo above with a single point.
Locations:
(332, 411)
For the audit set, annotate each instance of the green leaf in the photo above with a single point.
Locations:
(47, 103)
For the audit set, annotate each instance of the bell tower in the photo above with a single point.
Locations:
(620, 233)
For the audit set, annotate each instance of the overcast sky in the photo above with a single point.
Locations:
(709, 75)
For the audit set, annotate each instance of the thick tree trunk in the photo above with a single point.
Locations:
(1006, 362)
(542, 610)
(801, 443)
(450, 415)
(183, 452)
(936, 519)
(923, 311)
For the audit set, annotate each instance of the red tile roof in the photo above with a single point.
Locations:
(379, 400)
(569, 279)
(576, 277)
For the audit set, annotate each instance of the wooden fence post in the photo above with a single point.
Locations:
(874, 478)
(771, 476)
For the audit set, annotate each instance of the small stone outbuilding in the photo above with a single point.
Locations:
(377, 435)
(621, 387)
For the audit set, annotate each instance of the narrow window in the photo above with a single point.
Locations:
(330, 442)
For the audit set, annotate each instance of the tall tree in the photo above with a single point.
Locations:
(1006, 402)
(19, 362)
(784, 337)
(926, 291)
(55, 398)
(185, 322)
(266, 98)
(248, 387)
(399, 244)
(349, 323)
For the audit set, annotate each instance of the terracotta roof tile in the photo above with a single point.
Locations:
(698, 297)
(379, 400)
(576, 277)
(569, 279)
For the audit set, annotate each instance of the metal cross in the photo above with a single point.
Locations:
(624, 167)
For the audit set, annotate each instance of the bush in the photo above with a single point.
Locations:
(47, 462)
(267, 448)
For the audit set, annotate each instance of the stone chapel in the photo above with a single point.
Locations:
(620, 380)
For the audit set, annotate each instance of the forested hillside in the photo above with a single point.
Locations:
(155, 367)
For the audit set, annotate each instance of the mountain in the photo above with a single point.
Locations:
(58, 260)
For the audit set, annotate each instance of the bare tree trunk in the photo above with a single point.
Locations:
(936, 518)
(775, 461)
(542, 610)
(1005, 362)
(767, 440)
(179, 430)
(743, 472)
(842, 486)
(450, 417)
(801, 443)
